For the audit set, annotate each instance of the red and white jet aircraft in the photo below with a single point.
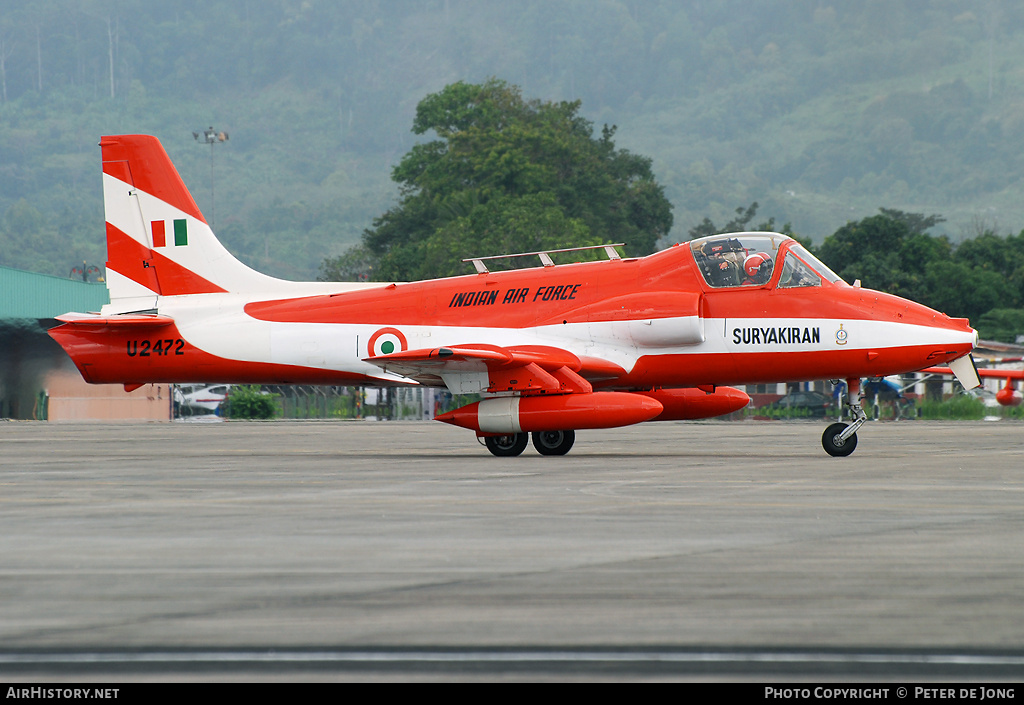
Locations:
(552, 349)
(1009, 395)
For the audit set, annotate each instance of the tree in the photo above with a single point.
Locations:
(355, 265)
(249, 402)
(888, 252)
(1003, 324)
(510, 175)
(740, 223)
(918, 223)
(957, 289)
(1003, 256)
(6, 49)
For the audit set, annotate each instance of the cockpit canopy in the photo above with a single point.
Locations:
(752, 259)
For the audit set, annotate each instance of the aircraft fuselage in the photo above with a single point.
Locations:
(637, 323)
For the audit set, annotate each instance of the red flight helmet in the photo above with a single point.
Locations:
(758, 267)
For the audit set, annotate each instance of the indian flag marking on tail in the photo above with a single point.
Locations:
(180, 232)
(159, 229)
(159, 235)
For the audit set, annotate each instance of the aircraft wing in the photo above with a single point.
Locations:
(982, 372)
(473, 368)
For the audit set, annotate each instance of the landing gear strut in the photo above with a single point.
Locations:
(839, 439)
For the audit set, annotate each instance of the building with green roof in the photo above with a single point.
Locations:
(28, 304)
(28, 295)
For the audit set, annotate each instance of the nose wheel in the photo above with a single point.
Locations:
(834, 443)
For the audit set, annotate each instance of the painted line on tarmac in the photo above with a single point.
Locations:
(498, 656)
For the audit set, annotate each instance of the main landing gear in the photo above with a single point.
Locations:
(553, 442)
(546, 443)
(840, 439)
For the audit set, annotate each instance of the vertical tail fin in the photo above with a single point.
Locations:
(158, 242)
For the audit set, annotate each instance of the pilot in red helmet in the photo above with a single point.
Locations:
(757, 269)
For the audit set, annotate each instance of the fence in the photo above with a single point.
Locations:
(336, 402)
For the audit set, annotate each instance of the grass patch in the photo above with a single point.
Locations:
(961, 407)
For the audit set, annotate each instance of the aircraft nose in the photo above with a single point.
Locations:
(928, 335)
(965, 323)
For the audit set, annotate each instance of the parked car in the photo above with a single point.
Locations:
(812, 403)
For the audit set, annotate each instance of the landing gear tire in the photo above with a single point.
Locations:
(506, 446)
(553, 442)
(834, 445)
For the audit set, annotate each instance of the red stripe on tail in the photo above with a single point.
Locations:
(152, 269)
(140, 160)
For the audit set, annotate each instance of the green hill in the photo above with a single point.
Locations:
(820, 111)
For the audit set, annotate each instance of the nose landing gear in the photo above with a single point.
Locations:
(839, 439)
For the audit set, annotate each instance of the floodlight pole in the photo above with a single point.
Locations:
(211, 137)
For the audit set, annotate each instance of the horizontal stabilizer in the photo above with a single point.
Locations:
(126, 320)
